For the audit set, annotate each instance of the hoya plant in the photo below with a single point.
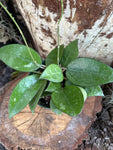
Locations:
(63, 77)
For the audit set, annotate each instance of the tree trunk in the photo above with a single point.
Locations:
(90, 21)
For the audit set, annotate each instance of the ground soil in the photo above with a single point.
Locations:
(100, 132)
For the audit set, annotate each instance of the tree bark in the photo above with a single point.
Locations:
(90, 21)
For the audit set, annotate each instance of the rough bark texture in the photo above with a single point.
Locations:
(90, 21)
(44, 130)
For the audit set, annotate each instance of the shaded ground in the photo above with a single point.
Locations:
(101, 131)
(5, 74)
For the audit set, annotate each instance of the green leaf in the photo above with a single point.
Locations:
(70, 53)
(52, 73)
(89, 72)
(67, 83)
(54, 108)
(84, 93)
(46, 94)
(53, 86)
(17, 57)
(52, 56)
(33, 103)
(23, 93)
(94, 91)
(69, 100)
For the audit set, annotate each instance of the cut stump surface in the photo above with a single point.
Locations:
(44, 129)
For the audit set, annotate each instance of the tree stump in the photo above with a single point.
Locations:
(44, 129)
(90, 21)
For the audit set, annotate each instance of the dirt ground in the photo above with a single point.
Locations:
(101, 131)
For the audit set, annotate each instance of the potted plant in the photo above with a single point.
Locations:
(64, 79)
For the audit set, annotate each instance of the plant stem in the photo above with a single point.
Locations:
(21, 34)
(62, 9)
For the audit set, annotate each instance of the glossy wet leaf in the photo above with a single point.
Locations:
(55, 109)
(23, 93)
(52, 56)
(52, 73)
(33, 103)
(89, 72)
(69, 100)
(94, 91)
(70, 53)
(53, 86)
(17, 57)
(67, 83)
